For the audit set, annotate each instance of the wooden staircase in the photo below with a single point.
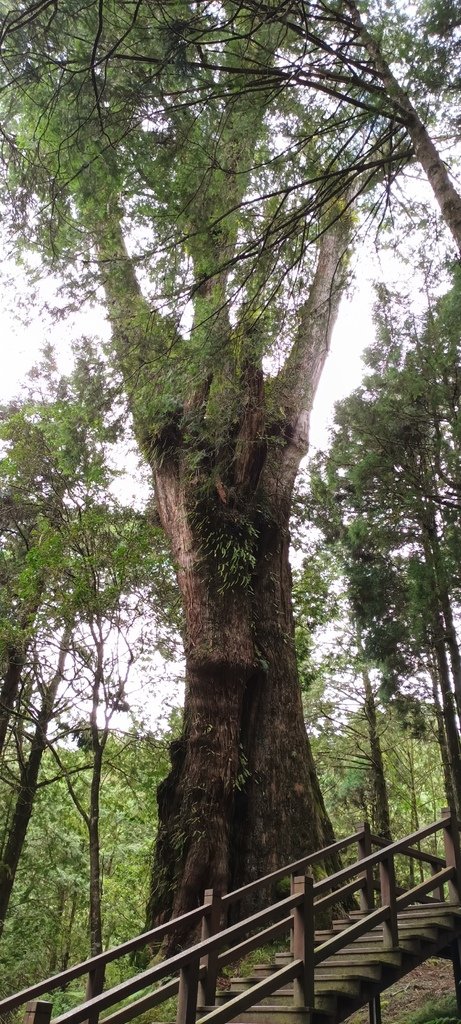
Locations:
(324, 975)
(356, 974)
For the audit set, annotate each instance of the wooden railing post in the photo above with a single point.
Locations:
(452, 855)
(438, 893)
(303, 940)
(210, 926)
(94, 987)
(38, 1012)
(388, 899)
(366, 895)
(187, 995)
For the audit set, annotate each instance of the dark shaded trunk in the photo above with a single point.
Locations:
(95, 859)
(434, 556)
(27, 788)
(453, 647)
(380, 799)
(98, 744)
(10, 689)
(453, 746)
(279, 811)
(442, 741)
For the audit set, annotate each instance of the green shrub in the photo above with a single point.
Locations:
(441, 1012)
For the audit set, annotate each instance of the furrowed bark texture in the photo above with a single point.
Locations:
(242, 796)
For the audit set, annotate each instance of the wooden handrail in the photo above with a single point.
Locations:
(63, 979)
(158, 933)
(174, 963)
(231, 943)
(295, 868)
(381, 855)
(410, 851)
(263, 988)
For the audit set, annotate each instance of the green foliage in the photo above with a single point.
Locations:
(231, 545)
(53, 871)
(440, 1012)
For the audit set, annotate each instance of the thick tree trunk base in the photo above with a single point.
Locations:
(242, 798)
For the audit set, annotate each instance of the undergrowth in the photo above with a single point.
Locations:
(443, 1011)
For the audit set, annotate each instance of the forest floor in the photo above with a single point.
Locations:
(431, 983)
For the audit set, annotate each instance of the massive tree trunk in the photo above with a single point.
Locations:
(242, 796)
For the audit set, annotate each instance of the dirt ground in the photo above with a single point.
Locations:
(430, 982)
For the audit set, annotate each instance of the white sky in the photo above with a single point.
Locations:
(20, 344)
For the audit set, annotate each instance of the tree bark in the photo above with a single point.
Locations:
(434, 559)
(242, 797)
(380, 800)
(449, 711)
(10, 690)
(98, 743)
(442, 741)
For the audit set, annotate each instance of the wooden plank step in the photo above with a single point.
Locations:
(338, 987)
(285, 1015)
(369, 972)
(267, 1014)
(406, 935)
(386, 957)
(412, 946)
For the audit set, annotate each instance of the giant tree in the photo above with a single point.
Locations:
(220, 392)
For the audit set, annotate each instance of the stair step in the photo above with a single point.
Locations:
(337, 987)
(267, 1014)
(376, 938)
(367, 971)
(347, 979)
(387, 957)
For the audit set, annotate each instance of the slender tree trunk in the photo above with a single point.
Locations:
(95, 855)
(434, 167)
(413, 808)
(453, 647)
(449, 712)
(380, 799)
(442, 741)
(67, 945)
(10, 690)
(98, 743)
(28, 784)
(435, 558)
